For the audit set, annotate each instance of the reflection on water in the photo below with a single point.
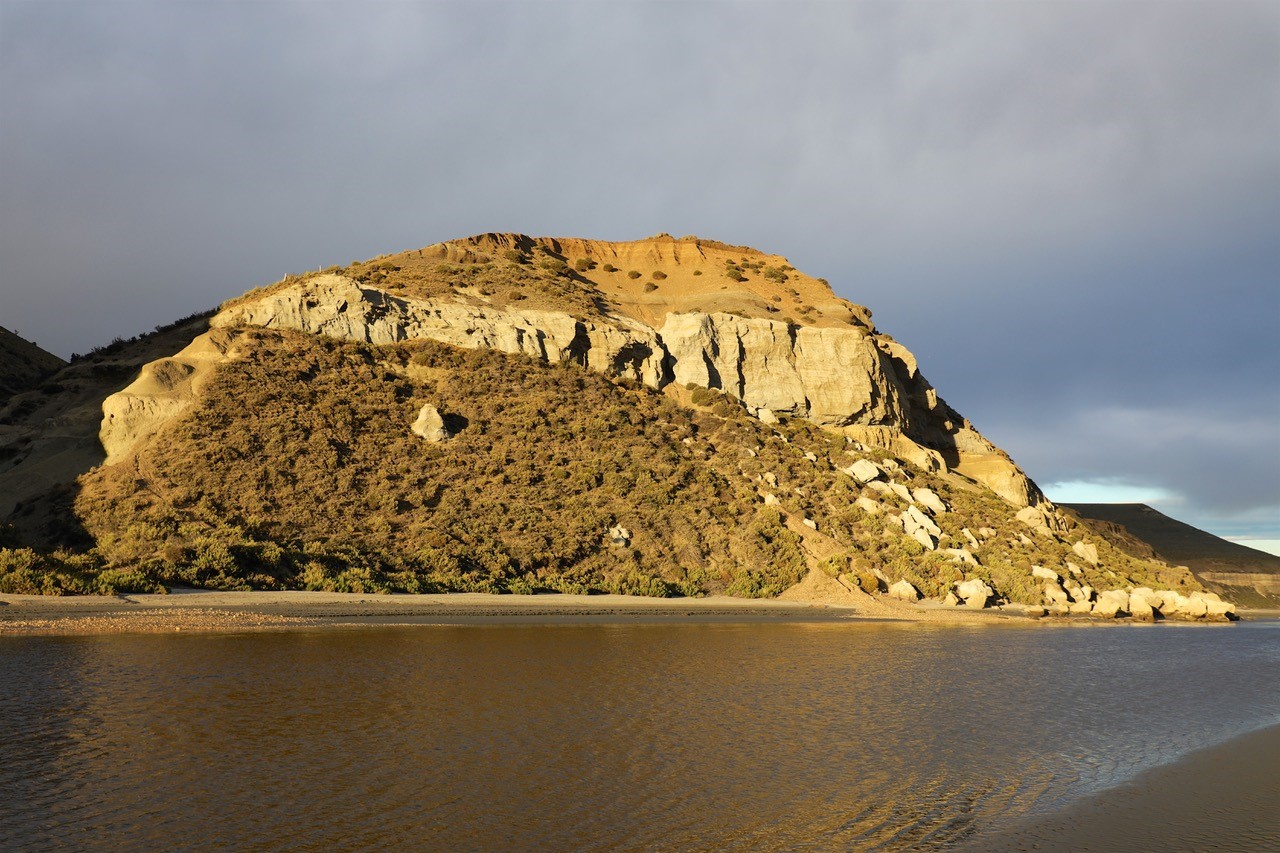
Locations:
(760, 736)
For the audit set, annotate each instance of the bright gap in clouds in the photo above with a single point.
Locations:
(1269, 546)
(1107, 492)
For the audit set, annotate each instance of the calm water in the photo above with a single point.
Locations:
(762, 736)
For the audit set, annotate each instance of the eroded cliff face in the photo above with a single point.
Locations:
(164, 390)
(841, 376)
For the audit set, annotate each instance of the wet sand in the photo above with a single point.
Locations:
(1225, 797)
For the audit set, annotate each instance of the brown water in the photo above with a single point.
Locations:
(601, 737)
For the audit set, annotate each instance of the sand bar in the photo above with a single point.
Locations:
(1225, 797)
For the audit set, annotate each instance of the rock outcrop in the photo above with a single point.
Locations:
(163, 390)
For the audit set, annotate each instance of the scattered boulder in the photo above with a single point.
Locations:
(864, 471)
(430, 425)
(1086, 551)
(1055, 594)
(766, 416)
(904, 591)
(809, 523)
(1220, 611)
(929, 499)
(1075, 570)
(811, 457)
(1140, 608)
(922, 536)
(976, 593)
(986, 532)
(1043, 573)
(1080, 593)
(973, 542)
(619, 535)
(951, 600)
(914, 519)
(880, 486)
(901, 491)
(868, 506)
(1080, 608)
(961, 555)
(1194, 607)
(1032, 517)
(771, 478)
(771, 500)
(1111, 604)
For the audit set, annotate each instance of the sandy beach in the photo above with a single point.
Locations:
(1226, 797)
(200, 610)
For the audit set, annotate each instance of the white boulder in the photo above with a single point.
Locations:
(430, 425)
(913, 519)
(1086, 551)
(975, 593)
(922, 536)
(864, 471)
(904, 591)
(929, 499)
(1111, 604)
(1055, 594)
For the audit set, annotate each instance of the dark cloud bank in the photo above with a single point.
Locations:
(1070, 212)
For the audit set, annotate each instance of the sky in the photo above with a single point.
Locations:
(1070, 212)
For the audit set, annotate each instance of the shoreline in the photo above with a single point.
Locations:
(1221, 797)
(212, 611)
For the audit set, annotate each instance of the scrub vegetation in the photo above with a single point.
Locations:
(297, 469)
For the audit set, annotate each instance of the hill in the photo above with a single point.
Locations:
(505, 413)
(1230, 568)
(23, 365)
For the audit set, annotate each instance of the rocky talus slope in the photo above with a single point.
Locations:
(667, 416)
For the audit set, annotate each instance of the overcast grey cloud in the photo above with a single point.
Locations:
(1069, 211)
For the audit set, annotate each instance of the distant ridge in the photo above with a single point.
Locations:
(1215, 561)
(23, 365)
